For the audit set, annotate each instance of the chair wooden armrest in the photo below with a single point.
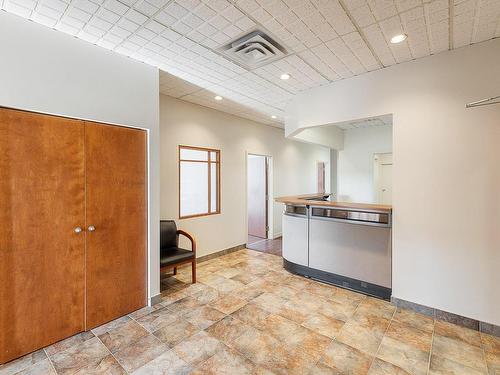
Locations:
(189, 237)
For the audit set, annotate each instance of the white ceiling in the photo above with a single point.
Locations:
(327, 40)
(385, 120)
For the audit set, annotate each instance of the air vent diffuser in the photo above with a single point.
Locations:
(254, 49)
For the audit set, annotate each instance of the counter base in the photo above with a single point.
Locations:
(338, 280)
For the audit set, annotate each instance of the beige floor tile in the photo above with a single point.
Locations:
(298, 283)
(244, 278)
(157, 319)
(184, 305)
(337, 310)
(145, 311)
(453, 331)
(43, 367)
(312, 302)
(380, 367)
(407, 357)
(493, 363)
(263, 285)
(259, 370)
(322, 369)
(347, 297)
(228, 272)
(167, 363)
(140, 352)
(227, 330)
(443, 366)
(323, 290)
(228, 303)
(173, 334)
(346, 359)
(373, 306)
(281, 328)
(25, 362)
(84, 355)
(251, 314)
(269, 302)
(123, 336)
(206, 295)
(203, 317)
(308, 342)
(111, 325)
(286, 292)
(225, 285)
(323, 325)
(167, 299)
(490, 344)
(415, 320)
(459, 351)
(258, 346)
(211, 279)
(419, 339)
(373, 322)
(294, 311)
(295, 362)
(68, 343)
(198, 348)
(360, 337)
(225, 362)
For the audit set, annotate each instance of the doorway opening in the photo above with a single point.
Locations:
(382, 175)
(259, 205)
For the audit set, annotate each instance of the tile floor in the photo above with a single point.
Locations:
(249, 316)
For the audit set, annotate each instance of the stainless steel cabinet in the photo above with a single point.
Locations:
(360, 252)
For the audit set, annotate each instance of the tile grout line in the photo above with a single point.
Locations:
(432, 345)
(379, 345)
(116, 359)
(483, 350)
(50, 361)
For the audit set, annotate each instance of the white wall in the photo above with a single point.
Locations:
(446, 174)
(355, 173)
(293, 169)
(47, 71)
(329, 136)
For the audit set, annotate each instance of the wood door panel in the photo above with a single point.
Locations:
(41, 257)
(116, 206)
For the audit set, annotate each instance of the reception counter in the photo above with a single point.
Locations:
(342, 243)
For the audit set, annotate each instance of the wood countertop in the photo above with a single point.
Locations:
(303, 200)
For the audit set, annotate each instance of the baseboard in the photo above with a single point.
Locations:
(217, 254)
(277, 235)
(155, 299)
(463, 321)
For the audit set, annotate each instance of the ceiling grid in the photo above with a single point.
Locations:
(326, 40)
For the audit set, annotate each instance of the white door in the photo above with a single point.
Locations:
(257, 195)
(386, 183)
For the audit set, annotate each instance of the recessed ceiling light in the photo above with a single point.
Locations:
(398, 38)
(285, 76)
(273, 116)
(218, 97)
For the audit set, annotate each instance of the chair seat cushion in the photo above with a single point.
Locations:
(173, 255)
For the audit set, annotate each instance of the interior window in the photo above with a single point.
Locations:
(199, 181)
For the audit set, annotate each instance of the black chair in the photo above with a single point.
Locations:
(170, 253)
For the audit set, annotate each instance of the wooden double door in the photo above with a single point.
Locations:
(72, 227)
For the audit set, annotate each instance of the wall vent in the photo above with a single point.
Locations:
(254, 49)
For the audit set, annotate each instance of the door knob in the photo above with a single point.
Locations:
(78, 229)
(91, 228)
